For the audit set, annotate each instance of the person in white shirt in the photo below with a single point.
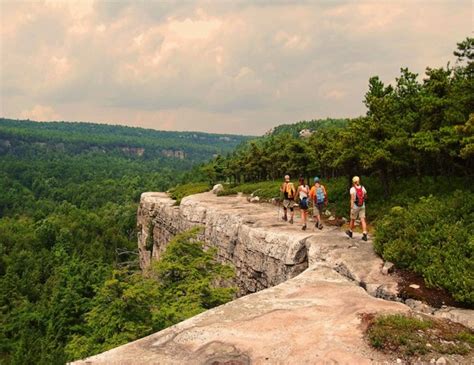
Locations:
(303, 192)
(358, 197)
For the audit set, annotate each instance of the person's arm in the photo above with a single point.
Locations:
(352, 198)
(325, 196)
(282, 187)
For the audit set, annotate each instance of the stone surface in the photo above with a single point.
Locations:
(419, 306)
(314, 318)
(463, 316)
(263, 250)
(318, 285)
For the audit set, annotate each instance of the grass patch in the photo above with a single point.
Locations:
(179, 192)
(408, 336)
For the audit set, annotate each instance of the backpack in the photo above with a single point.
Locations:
(290, 190)
(320, 198)
(360, 196)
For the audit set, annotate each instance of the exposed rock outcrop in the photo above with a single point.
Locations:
(315, 317)
(262, 257)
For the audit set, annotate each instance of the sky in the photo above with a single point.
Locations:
(216, 66)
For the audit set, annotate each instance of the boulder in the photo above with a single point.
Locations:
(254, 199)
(217, 188)
(387, 268)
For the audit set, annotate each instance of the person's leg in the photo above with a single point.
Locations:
(316, 215)
(320, 223)
(292, 214)
(364, 224)
(352, 222)
(285, 215)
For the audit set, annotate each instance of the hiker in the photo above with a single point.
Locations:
(358, 197)
(288, 190)
(319, 197)
(303, 192)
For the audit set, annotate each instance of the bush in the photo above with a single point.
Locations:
(180, 191)
(434, 238)
(409, 336)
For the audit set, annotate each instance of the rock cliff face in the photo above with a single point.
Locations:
(261, 257)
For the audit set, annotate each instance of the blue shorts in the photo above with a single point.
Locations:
(304, 203)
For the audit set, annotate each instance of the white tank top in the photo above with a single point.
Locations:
(303, 191)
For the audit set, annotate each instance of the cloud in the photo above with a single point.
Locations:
(40, 113)
(214, 66)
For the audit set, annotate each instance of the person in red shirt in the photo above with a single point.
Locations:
(358, 197)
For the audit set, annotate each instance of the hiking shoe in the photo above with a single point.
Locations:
(291, 220)
(349, 233)
(304, 228)
(364, 237)
(320, 226)
(284, 218)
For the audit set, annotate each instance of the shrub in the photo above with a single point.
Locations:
(180, 191)
(433, 237)
(409, 336)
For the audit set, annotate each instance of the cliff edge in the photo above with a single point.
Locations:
(304, 294)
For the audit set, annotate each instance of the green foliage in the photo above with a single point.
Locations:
(121, 311)
(433, 237)
(312, 125)
(23, 136)
(191, 281)
(408, 336)
(180, 191)
(68, 200)
(185, 282)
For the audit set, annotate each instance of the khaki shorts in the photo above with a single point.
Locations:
(287, 203)
(318, 209)
(358, 212)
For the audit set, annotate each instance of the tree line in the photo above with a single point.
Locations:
(412, 128)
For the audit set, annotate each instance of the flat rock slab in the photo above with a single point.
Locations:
(314, 318)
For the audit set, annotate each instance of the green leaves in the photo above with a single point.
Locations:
(185, 282)
(433, 237)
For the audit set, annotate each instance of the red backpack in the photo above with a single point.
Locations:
(360, 196)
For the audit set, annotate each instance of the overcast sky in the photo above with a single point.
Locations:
(218, 66)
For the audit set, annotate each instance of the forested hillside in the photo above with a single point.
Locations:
(416, 140)
(23, 136)
(70, 285)
(312, 126)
